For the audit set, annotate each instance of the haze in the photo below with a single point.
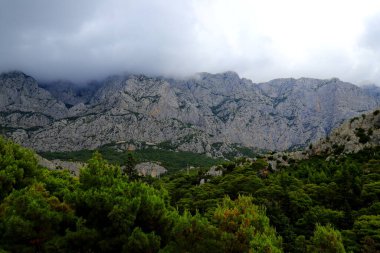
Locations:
(261, 40)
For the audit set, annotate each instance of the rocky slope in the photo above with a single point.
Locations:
(71, 94)
(352, 136)
(211, 113)
(23, 104)
(143, 169)
(372, 90)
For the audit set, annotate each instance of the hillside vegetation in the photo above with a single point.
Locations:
(341, 194)
(353, 135)
(171, 160)
(312, 206)
(105, 211)
(329, 202)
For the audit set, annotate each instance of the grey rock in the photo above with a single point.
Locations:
(346, 138)
(56, 164)
(150, 169)
(24, 104)
(215, 171)
(207, 113)
(342, 140)
(372, 90)
(71, 94)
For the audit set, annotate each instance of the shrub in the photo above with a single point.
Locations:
(360, 133)
(353, 119)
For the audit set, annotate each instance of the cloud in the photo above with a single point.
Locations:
(371, 35)
(53, 39)
(261, 40)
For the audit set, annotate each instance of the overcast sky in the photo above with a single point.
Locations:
(261, 40)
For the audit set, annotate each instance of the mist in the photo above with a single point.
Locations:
(89, 40)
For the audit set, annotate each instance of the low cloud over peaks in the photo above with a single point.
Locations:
(90, 39)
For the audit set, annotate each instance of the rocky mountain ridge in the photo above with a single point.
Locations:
(208, 113)
(354, 135)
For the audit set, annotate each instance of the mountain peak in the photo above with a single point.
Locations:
(13, 74)
(191, 114)
(224, 75)
(230, 73)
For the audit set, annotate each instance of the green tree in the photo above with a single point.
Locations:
(18, 167)
(193, 234)
(31, 219)
(367, 229)
(121, 212)
(318, 214)
(142, 242)
(326, 240)
(130, 164)
(299, 202)
(245, 227)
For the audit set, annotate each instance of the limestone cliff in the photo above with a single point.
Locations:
(207, 113)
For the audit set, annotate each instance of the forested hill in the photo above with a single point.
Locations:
(314, 205)
(106, 211)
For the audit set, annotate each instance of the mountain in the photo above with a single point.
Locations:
(372, 90)
(23, 104)
(207, 113)
(70, 93)
(352, 136)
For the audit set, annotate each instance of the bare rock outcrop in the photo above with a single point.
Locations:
(207, 113)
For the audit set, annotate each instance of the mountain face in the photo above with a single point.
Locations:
(352, 136)
(372, 90)
(23, 104)
(69, 93)
(211, 113)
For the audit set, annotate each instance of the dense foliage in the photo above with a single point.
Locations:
(316, 205)
(105, 211)
(172, 160)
